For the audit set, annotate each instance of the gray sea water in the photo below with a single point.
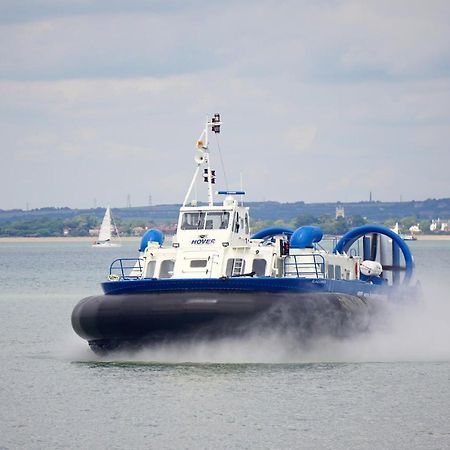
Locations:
(389, 389)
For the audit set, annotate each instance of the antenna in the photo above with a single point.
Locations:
(242, 189)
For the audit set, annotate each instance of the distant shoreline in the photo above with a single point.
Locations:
(19, 239)
(136, 239)
(431, 237)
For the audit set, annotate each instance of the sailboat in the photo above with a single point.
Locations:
(405, 237)
(104, 236)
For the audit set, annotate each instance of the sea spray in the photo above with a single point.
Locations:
(401, 331)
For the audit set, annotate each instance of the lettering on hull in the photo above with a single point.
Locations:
(203, 241)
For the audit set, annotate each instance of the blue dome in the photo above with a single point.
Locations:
(304, 237)
(151, 235)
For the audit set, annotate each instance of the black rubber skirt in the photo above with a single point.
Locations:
(107, 321)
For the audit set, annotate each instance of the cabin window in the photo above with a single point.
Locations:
(338, 272)
(235, 266)
(209, 221)
(236, 223)
(193, 221)
(198, 263)
(331, 271)
(224, 220)
(150, 269)
(259, 267)
(217, 220)
(166, 270)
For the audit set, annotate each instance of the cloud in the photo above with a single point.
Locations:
(125, 45)
(300, 138)
(332, 40)
(26, 11)
(344, 92)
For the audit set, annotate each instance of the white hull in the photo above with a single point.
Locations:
(106, 244)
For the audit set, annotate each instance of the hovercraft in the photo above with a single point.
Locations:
(215, 278)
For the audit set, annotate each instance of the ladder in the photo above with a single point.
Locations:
(237, 266)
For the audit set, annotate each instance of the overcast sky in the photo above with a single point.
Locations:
(321, 100)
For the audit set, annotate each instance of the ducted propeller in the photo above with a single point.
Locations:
(375, 241)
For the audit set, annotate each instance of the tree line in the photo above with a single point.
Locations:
(82, 224)
(79, 225)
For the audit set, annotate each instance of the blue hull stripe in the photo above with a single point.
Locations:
(261, 284)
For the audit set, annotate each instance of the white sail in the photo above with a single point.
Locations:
(105, 234)
(105, 229)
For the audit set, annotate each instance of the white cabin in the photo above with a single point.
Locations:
(213, 241)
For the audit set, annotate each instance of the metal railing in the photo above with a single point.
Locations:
(126, 269)
(307, 268)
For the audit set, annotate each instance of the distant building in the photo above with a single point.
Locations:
(138, 231)
(94, 231)
(439, 225)
(340, 212)
(169, 228)
(414, 229)
(66, 231)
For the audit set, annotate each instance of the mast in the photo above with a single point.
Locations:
(202, 159)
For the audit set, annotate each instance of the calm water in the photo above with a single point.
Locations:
(390, 389)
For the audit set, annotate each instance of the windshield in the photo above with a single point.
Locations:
(205, 221)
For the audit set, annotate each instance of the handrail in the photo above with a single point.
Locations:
(318, 267)
(118, 266)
